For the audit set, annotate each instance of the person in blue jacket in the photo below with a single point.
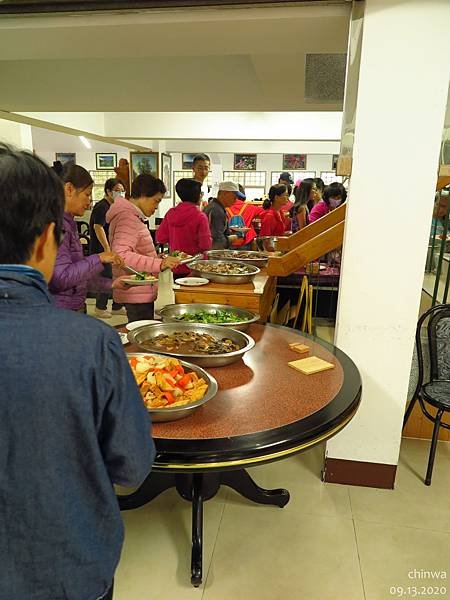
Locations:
(72, 421)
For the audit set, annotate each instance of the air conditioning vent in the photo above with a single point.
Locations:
(325, 78)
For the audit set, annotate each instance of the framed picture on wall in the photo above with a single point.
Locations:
(245, 162)
(334, 163)
(294, 161)
(65, 157)
(144, 163)
(166, 173)
(105, 161)
(187, 159)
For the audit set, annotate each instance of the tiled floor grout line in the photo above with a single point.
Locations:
(356, 542)
(384, 523)
(214, 545)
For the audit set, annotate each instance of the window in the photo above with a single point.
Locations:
(296, 175)
(254, 182)
(330, 176)
(187, 174)
(246, 178)
(100, 177)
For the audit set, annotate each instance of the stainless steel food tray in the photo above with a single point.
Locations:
(147, 332)
(171, 311)
(179, 412)
(232, 255)
(223, 278)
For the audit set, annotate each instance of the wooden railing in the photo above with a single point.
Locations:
(311, 231)
(313, 241)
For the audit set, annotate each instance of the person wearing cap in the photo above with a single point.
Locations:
(216, 212)
(248, 212)
(285, 178)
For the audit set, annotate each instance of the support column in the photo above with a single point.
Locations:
(402, 95)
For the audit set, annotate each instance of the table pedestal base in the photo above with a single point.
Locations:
(196, 488)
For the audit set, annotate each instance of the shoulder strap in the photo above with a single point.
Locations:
(243, 207)
(230, 213)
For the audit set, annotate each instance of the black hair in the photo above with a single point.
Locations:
(77, 176)
(111, 183)
(276, 190)
(320, 184)
(333, 190)
(289, 189)
(189, 190)
(302, 193)
(199, 157)
(58, 167)
(147, 185)
(31, 197)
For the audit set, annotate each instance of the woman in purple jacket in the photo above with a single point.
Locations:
(68, 285)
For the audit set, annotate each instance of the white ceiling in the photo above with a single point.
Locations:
(180, 60)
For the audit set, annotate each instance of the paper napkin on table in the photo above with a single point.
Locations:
(259, 282)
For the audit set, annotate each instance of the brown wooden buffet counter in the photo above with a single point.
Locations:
(241, 295)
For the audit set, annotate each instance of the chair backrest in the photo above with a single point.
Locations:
(438, 330)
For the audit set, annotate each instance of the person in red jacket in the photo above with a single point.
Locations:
(248, 212)
(272, 222)
(185, 227)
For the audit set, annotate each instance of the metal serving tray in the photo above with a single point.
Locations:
(223, 278)
(142, 334)
(170, 313)
(233, 256)
(179, 412)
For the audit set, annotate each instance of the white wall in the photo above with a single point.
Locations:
(379, 294)
(16, 134)
(225, 125)
(93, 122)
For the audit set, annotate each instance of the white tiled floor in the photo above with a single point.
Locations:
(331, 542)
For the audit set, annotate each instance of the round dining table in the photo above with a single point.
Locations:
(264, 411)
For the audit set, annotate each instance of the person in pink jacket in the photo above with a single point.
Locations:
(185, 227)
(130, 238)
(333, 196)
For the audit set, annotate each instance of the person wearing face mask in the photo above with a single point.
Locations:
(131, 239)
(333, 195)
(72, 271)
(98, 229)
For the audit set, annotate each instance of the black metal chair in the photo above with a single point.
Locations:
(436, 392)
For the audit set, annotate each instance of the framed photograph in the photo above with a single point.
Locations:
(166, 173)
(105, 161)
(65, 157)
(143, 163)
(334, 163)
(294, 161)
(187, 160)
(245, 162)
